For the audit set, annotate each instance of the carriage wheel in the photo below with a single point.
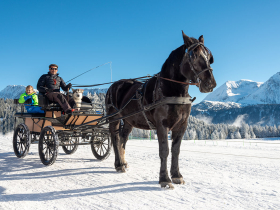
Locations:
(71, 148)
(101, 145)
(48, 145)
(21, 140)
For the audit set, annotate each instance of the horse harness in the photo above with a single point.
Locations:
(158, 98)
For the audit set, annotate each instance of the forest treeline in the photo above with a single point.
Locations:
(196, 129)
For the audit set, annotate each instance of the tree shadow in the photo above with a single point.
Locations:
(10, 163)
(54, 195)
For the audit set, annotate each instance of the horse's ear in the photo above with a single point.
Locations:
(187, 40)
(201, 39)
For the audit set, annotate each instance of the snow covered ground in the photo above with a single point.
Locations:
(232, 174)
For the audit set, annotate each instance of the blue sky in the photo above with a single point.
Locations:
(136, 36)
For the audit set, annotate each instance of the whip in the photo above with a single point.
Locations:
(92, 69)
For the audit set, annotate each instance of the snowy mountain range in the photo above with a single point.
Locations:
(14, 91)
(231, 94)
(95, 90)
(248, 92)
(253, 102)
(232, 91)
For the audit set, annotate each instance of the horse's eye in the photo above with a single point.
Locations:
(192, 55)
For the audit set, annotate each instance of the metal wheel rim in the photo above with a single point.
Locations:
(71, 141)
(22, 140)
(48, 149)
(101, 145)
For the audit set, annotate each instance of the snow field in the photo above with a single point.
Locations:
(229, 174)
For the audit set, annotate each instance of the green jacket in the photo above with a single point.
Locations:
(23, 97)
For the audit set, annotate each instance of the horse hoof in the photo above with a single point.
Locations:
(166, 185)
(126, 165)
(178, 181)
(121, 169)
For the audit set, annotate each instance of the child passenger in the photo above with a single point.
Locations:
(33, 105)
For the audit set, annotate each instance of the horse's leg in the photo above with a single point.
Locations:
(164, 179)
(177, 136)
(115, 136)
(126, 129)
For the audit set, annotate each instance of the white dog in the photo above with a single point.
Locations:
(77, 96)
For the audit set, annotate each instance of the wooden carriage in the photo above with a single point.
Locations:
(54, 128)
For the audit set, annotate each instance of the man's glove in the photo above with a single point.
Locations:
(69, 86)
(27, 97)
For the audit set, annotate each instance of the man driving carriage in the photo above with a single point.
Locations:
(50, 84)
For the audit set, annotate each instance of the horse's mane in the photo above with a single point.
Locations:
(175, 58)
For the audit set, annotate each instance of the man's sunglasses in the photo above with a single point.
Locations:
(53, 68)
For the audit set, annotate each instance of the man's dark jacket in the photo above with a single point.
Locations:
(52, 82)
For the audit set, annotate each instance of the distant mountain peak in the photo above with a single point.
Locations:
(234, 91)
(247, 92)
(12, 91)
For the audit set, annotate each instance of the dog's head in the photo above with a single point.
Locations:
(77, 94)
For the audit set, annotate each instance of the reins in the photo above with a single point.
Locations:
(171, 80)
(76, 85)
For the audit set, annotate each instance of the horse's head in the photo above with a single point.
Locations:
(196, 62)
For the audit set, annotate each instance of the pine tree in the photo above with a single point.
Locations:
(244, 130)
(215, 135)
(192, 134)
(237, 134)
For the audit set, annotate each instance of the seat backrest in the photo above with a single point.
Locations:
(42, 100)
(46, 104)
(28, 101)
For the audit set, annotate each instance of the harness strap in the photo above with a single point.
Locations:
(158, 99)
(111, 99)
(177, 100)
(184, 83)
(139, 94)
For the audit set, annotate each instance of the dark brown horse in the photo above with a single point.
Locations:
(180, 66)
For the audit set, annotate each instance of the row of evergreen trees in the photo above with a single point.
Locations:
(7, 111)
(197, 129)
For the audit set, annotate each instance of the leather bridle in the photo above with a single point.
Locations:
(189, 58)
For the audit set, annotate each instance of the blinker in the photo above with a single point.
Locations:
(191, 55)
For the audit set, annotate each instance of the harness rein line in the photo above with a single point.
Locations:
(171, 80)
